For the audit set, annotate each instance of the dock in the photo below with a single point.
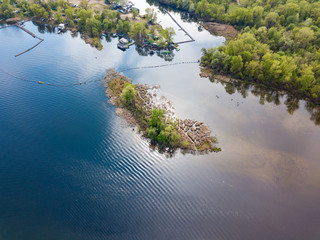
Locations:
(27, 31)
(29, 48)
(191, 38)
(6, 26)
(33, 35)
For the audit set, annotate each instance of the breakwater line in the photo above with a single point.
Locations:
(157, 66)
(33, 35)
(30, 33)
(27, 31)
(91, 81)
(6, 26)
(48, 83)
(29, 49)
(191, 38)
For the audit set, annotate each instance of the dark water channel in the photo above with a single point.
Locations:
(71, 169)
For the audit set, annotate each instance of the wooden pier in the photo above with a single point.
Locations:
(6, 26)
(192, 40)
(33, 35)
(27, 31)
(28, 49)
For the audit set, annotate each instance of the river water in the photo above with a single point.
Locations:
(71, 169)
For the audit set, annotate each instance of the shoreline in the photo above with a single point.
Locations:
(220, 29)
(92, 26)
(206, 72)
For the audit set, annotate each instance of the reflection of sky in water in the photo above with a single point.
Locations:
(236, 121)
(243, 126)
(263, 142)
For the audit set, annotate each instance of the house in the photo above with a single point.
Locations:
(123, 41)
(61, 27)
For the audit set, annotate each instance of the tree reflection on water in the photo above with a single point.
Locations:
(291, 102)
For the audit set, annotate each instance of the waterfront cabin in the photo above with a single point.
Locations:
(61, 27)
(124, 41)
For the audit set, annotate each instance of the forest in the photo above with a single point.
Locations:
(278, 44)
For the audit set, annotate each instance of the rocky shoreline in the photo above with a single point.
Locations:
(207, 73)
(196, 134)
(219, 29)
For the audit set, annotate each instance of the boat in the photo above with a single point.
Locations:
(122, 46)
(165, 52)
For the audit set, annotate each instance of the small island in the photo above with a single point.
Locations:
(140, 105)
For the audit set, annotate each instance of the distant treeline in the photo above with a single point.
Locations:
(278, 46)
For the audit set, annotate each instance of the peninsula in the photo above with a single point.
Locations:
(94, 21)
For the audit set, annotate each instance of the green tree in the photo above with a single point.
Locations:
(151, 15)
(236, 64)
(83, 15)
(128, 94)
(138, 31)
(168, 34)
(304, 37)
(120, 26)
(107, 24)
(69, 13)
(307, 79)
(38, 11)
(135, 13)
(6, 10)
(156, 120)
(257, 15)
(126, 26)
(271, 19)
(169, 136)
(58, 17)
(84, 4)
(192, 8)
(161, 42)
(93, 27)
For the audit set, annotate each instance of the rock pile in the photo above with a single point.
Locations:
(195, 134)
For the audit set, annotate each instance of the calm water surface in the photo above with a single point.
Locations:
(71, 169)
